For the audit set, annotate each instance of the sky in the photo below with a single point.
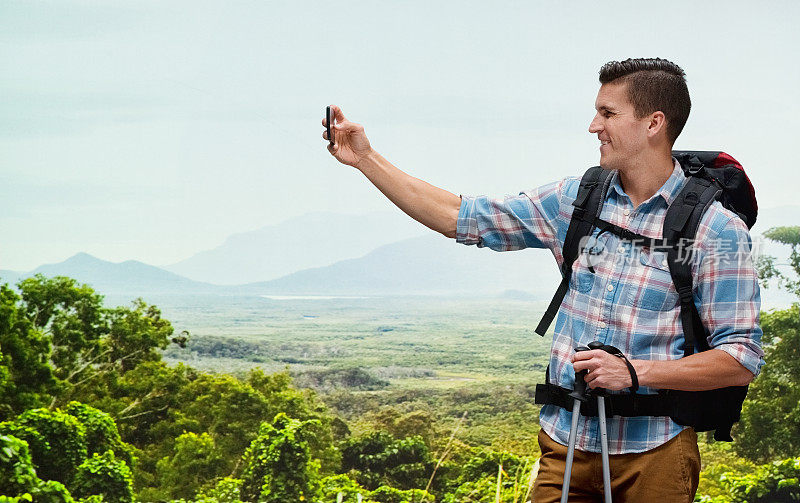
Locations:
(152, 130)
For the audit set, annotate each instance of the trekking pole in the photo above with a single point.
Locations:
(578, 395)
(601, 414)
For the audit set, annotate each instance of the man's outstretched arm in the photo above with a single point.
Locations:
(431, 206)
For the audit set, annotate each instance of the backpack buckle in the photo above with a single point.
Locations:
(695, 166)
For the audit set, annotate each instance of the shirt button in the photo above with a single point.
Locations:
(610, 287)
(602, 324)
(621, 249)
(626, 212)
(664, 262)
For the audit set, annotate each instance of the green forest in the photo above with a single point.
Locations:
(96, 408)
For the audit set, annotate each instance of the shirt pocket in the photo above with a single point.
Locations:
(593, 252)
(651, 287)
(582, 278)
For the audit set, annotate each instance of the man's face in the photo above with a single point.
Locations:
(623, 137)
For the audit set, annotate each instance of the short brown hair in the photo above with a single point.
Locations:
(654, 84)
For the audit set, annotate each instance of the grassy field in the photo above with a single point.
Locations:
(402, 340)
(366, 356)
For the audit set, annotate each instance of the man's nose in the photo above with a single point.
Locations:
(594, 126)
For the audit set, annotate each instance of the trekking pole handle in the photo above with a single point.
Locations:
(619, 354)
(597, 345)
(579, 389)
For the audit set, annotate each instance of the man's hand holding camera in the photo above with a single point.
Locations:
(350, 145)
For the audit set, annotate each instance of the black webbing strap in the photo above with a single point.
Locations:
(588, 203)
(629, 235)
(626, 405)
(680, 227)
(716, 409)
(555, 303)
(550, 394)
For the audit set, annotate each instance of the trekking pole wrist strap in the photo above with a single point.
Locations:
(619, 354)
(634, 377)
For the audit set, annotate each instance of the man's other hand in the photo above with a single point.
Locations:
(604, 370)
(350, 143)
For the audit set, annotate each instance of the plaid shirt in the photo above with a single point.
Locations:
(629, 301)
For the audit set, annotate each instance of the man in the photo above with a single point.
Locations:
(641, 108)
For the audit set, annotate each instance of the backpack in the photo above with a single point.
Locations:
(711, 176)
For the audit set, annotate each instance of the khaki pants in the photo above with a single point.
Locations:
(667, 474)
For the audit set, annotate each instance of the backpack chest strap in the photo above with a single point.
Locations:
(629, 235)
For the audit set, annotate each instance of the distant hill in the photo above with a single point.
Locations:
(437, 265)
(312, 240)
(125, 278)
(10, 277)
(429, 264)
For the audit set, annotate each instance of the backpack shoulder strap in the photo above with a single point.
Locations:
(588, 204)
(680, 227)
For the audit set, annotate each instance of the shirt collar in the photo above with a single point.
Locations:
(669, 191)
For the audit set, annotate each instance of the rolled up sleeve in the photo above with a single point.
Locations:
(729, 295)
(528, 220)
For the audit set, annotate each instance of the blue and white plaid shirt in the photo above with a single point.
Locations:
(629, 300)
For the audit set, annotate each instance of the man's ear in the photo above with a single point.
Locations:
(657, 124)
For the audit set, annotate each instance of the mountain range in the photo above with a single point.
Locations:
(430, 264)
(130, 278)
(311, 240)
(339, 260)
(425, 265)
